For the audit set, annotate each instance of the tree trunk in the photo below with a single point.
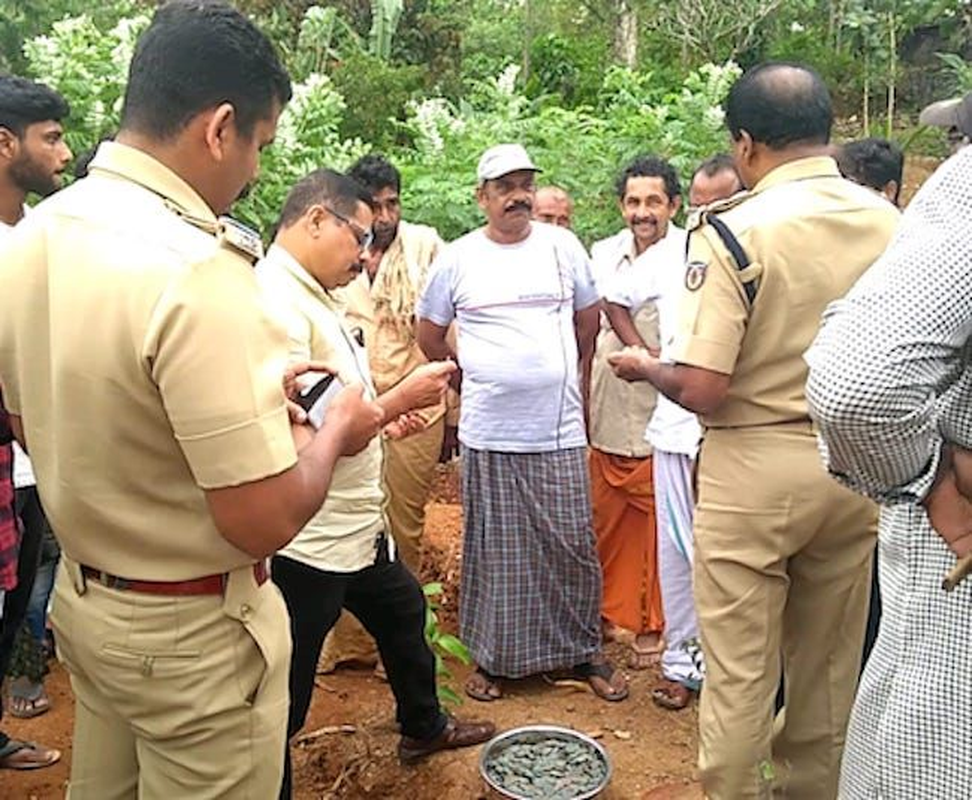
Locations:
(625, 34)
(867, 97)
(527, 38)
(892, 71)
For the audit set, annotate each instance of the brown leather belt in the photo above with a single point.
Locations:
(210, 584)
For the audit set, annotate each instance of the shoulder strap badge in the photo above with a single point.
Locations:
(239, 237)
(228, 232)
(695, 275)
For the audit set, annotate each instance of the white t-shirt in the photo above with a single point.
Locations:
(657, 275)
(515, 306)
(23, 472)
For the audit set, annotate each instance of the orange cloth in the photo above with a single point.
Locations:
(623, 496)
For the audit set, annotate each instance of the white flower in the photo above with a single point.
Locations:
(506, 82)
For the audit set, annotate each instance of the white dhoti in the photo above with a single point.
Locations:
(674, 505)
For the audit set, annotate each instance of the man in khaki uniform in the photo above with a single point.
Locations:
(145, 380)
(782, 551)
(380, 303)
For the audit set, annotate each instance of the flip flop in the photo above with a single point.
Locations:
(27, 755)
(26, 699)
(599, 674)
(483, 687)
(640, 658)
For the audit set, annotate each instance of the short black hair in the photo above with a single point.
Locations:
(326, 187)
(195, 55)
(24, 102)
(780, 103)
(650, 167)
(872, 162)
(713, 165)
(375, 173)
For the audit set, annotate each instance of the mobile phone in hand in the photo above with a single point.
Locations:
(315, 397)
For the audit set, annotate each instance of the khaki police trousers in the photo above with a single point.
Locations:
(409, 470)
(176, 697)
(782, 568)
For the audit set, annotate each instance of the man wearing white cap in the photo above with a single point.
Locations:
(524, 301)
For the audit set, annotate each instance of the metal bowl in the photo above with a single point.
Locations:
(534, 733)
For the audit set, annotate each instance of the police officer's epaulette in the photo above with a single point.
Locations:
(229, 233)
(709, 215)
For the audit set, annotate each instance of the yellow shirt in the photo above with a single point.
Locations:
(341, 536)
(384, 309)
(809, 235)
(134, 347)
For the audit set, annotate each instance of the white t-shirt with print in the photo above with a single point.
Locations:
(515, 304)
(658, 275)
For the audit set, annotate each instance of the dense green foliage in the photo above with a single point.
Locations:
(434, 82)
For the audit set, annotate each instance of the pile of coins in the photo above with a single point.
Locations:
(547, 769)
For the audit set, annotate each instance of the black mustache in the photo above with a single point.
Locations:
(639, 220)
(520, 204)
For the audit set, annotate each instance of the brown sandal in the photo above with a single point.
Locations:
(671, 695)
(640, 658)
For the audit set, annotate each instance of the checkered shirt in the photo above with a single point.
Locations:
(889, 384)
(9, 532)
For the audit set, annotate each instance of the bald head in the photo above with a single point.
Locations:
(552, 204)
(780, 104)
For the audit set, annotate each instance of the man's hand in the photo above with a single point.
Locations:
(948, 506)
(632, 363)
(353, 419)
(292, 385)
(427, 384)
(404, 426)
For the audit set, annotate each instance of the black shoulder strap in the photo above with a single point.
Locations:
(736, 251)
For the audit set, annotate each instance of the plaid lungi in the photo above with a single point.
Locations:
(530, 594)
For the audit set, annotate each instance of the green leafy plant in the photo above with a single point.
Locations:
(444, 645)
(959, 72)
(87, 64)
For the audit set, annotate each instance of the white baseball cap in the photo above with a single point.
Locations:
(502, 159)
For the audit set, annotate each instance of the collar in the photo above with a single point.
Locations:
(139, 167)
(798, 170)
(283, 260)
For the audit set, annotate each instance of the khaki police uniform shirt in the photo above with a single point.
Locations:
(134, 347)
(809, 235)
(620, 410)
(342, 535)
(384, 309)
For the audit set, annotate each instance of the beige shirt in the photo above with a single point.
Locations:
(341, 536)
(384, 309)
(136, 351)
(809, 235)
(619, 410)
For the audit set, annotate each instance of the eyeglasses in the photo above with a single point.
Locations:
(365, 236)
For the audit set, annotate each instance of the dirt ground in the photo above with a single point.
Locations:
(650, 749)
(653, 751)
